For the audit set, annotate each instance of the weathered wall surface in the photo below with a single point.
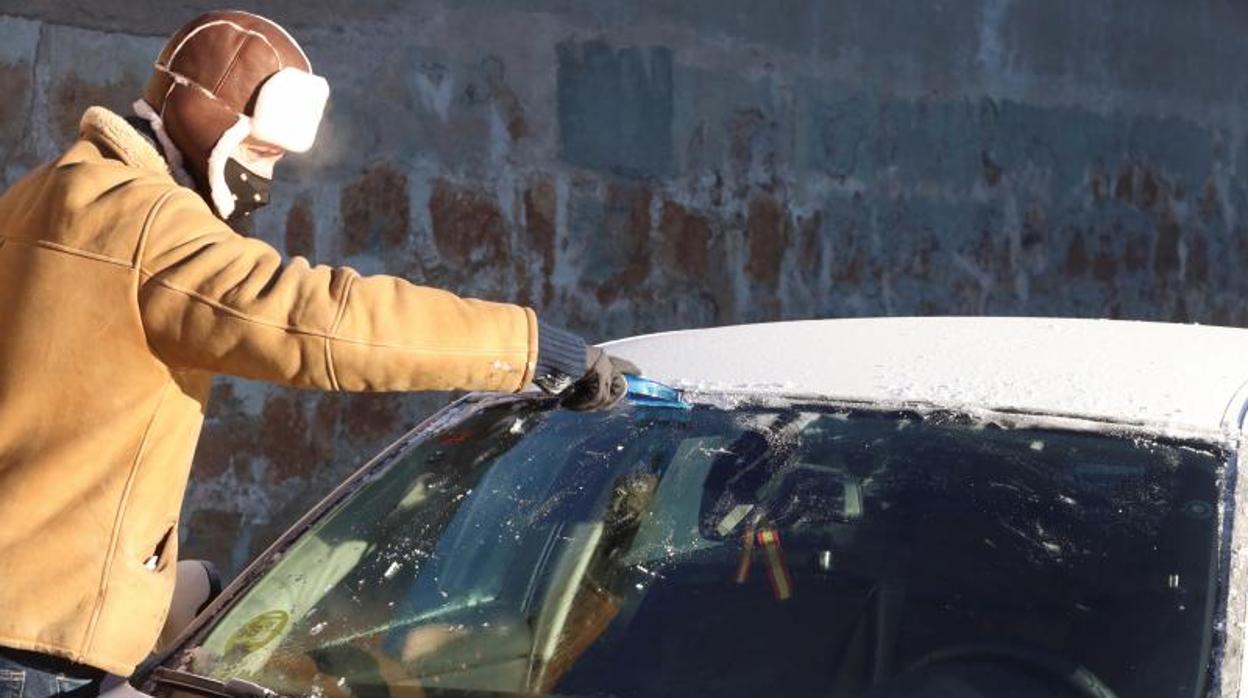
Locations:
(639, 165)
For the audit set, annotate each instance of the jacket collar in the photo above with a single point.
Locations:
(106, 129)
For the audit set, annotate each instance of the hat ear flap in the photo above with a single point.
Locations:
(196, 123)
(218, 190)
(288, 110)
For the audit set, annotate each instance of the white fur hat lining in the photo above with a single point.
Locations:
(289, 108)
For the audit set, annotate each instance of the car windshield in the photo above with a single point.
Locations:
(791, 549)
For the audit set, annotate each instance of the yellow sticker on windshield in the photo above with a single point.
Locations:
(258, 631)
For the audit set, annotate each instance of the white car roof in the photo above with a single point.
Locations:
(1175, 378)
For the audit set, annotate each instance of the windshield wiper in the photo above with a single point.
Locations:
(205, 686)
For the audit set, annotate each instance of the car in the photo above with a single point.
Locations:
(857, 507)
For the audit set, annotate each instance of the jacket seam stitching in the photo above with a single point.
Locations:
(137, 264)
(530, 362)
(338, 315)
(114, 537)
(66, 249)
(470, 351)
(141, 248)
(321, 334)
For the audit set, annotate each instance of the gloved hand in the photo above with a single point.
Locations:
(585, 377)
(603, 384)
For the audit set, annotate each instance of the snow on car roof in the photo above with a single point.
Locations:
(1180, 377)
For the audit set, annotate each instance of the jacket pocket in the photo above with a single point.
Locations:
(11, 682)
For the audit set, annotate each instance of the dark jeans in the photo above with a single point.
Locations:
(32, 675)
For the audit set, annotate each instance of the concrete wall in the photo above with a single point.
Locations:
(633, 165)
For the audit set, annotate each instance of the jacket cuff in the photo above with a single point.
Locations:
(561, 357)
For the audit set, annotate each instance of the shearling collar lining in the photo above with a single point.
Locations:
(106, 128)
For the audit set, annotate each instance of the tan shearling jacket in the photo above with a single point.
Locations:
(121, 294)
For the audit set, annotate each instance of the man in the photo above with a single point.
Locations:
(123, 290)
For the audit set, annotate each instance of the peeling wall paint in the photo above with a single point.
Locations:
(637, 166)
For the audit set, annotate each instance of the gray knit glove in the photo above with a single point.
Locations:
(603, 384)
(586, 377)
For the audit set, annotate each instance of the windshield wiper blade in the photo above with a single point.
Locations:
(205, 686)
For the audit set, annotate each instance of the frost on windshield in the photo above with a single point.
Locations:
(751, 550)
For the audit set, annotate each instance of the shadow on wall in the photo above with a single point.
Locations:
(616, 108)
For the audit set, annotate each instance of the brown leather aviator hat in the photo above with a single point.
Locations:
(224, 77)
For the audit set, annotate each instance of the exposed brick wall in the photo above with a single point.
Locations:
(637, 166)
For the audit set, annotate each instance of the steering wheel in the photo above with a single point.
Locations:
(1071, 674)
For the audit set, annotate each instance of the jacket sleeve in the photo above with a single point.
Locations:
(214, 300)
